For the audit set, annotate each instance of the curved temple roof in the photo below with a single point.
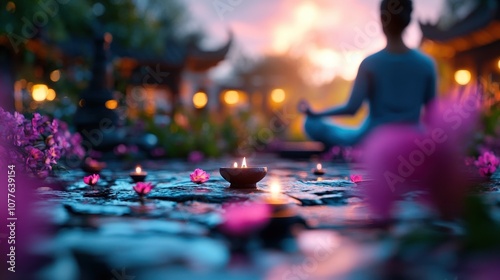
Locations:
(486, 12)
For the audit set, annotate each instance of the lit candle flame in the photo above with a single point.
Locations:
(138, 169)
(319, 166)
(244, 163)
(235, 165)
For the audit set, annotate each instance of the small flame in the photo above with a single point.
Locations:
(319, 166)
(235, 165)
(138, 169)
(244, 163)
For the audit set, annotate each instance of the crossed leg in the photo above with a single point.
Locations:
(332, 134)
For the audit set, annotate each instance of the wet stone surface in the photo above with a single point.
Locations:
(105, 231)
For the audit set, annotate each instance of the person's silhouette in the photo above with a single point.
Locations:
(396, 81)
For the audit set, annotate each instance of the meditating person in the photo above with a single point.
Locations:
(397, 82)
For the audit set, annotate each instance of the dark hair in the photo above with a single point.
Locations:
(395, 15)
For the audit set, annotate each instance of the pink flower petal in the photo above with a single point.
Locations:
(199, 176)
(91, 180)
(355, 178)
(142, 188)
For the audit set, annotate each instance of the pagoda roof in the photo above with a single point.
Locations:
(174, 55)
(484, 14)
(202, 60)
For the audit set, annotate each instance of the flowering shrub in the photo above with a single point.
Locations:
(37, 144)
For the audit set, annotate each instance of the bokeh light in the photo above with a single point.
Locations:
(200, 100)
(463, 77)
(11, 7)
(51, 94)
(278, 95)
(231, 97)
(55, 75)
(40, 92)
(111, 104)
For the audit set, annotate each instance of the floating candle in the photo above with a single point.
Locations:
(319, 170)
(138, 175)
(243, 177)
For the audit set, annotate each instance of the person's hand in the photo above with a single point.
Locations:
(305, 108)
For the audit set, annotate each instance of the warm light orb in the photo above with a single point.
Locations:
(463, 77)
(51, 94)
(138, 169)
(235, 165)
(307, 13)
(40, 92)
(498, 64)
(111, 104)
(278, 95)
(319, 166)
(55, 75)
(275, 188)
(244, 163)
(231, 97)
(200, 100)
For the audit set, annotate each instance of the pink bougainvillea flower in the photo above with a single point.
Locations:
(356, 178)
(199, 176)
(487, 163)
(91, 180)
(142, 188)
(244, 219)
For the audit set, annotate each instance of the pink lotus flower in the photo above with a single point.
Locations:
(199, 176)
(143, 189)
(487, 163)
(91, 180)
(356, 178)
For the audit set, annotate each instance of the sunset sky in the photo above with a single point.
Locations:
(334, 35)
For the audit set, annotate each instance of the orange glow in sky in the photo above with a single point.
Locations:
(333, 35)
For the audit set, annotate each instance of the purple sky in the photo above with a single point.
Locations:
(334, 35)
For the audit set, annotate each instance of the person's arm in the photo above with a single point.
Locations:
(358, 95)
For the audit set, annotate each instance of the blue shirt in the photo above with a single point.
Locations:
(395, 85)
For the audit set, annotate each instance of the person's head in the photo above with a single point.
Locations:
(395, 16)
